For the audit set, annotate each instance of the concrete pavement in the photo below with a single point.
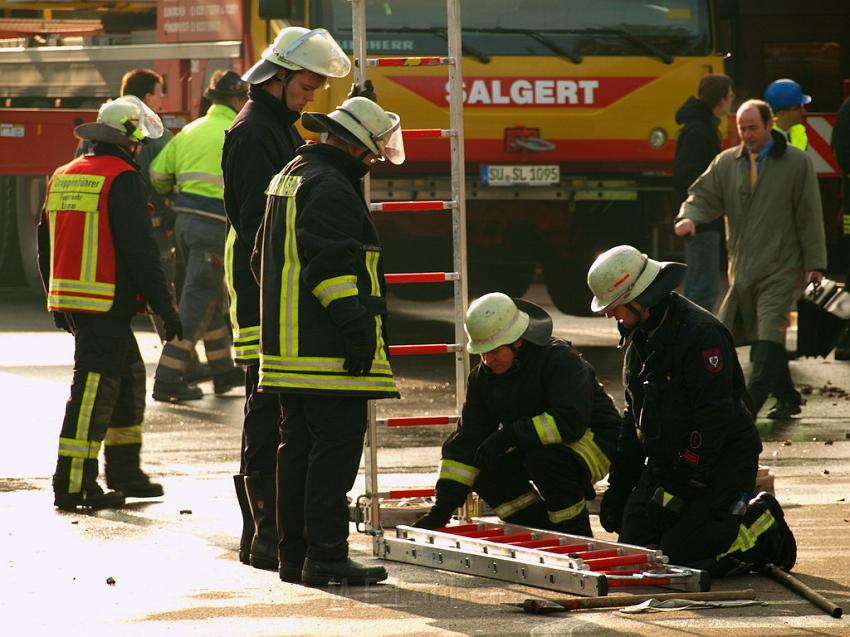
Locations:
(169, 566)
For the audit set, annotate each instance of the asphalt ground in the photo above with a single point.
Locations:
(169, 566)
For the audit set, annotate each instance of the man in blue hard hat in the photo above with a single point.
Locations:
(788, 102)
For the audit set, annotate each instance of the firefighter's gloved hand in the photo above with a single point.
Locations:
(683, 480)
(60, 320)
(664, 509)
(360, 345)
(173, 326)
(450, 495)
(495, 446)
(365, 90)
(612, 508)
(438, 516)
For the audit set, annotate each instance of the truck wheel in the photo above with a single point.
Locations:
(566, 282)
(8, 233)
(511, 278)
(29, 195)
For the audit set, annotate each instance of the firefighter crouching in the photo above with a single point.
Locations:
(685, 469)
(100, 264)
(558, 426)
(322, 332)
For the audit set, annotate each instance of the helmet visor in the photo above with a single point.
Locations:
(391, 142)
(315, 51)
(149, 125)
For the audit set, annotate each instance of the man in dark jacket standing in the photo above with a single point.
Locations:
(100, 265)
(261, 140)
(323, 335)
(841, 150)
(685, 469)
(558, 426)
(696, 146)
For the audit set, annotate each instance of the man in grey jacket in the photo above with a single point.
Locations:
(775, 238)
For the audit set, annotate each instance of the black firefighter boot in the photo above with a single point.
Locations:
(124, 472)
(774, 543)
(247, 519)
(345, 572)
(90, 496)
(262, 495)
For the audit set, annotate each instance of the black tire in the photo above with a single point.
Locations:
(511, 278)
(566, 282)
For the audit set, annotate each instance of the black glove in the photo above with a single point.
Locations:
(677, 487)
(366, 90)
(437, 517)
(495, 446)
(60, 320)
(450, 495)
(173, 326)
(360, 345)
(612, 508)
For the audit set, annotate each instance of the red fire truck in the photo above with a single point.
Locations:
(569, 109)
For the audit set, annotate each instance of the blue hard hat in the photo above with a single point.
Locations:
(784, 93)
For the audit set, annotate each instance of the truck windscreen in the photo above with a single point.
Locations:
(574, 29)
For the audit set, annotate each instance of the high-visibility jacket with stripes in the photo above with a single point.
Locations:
(190, 164)
(796, 135)
(321, 274)
(261, 140)
(82, 253)
(550, 397)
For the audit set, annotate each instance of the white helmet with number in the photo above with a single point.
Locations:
(296, 49)
(623, 273)
(124, 121)
(496, 319)
(362, 122)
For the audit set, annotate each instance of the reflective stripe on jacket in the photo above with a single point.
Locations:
(190, 163)
(82, 253)
(321, 273)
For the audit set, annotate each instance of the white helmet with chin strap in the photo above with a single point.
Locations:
(124, 121)
(361, 122)
(296, 49)
(623, 273)
(496, 319)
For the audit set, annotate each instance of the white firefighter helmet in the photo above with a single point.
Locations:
(296, 49)
(496, 319)
(624, 273)
(361, 122)
(124, 121)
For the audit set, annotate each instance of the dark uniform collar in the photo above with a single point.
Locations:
(351, 167)
(275, 107)
(659, 328)
(102, 148)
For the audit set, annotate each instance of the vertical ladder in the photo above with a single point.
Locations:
(370, 502)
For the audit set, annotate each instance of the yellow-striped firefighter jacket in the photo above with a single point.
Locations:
(550, 397)
(97, 252)
(320, 270)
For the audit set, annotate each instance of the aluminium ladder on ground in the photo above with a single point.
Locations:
(543, 559)
(369, 505)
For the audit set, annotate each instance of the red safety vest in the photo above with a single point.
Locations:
(82, 254)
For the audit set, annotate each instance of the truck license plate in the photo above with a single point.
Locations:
(520, 175)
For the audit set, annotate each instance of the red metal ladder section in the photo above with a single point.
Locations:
(544, 559)
(368, 506)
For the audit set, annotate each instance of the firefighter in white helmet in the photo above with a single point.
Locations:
(685, 468)
(323, 350)
(537, 429)
(100, 265)
(260, 141)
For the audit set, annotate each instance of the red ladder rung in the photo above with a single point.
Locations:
(538, 544)
(430, 348)
(595, 555)
(417, 421)
(415, 206)
(567, 548)
(410, 61)
(396, 494)
(641, 581)
(426, 133)
(619, 560)
(514, 537)
(622, 573)
(420, 277)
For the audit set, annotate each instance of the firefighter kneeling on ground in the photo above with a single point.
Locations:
(100, 264)
(685, 468)
(534, 413)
